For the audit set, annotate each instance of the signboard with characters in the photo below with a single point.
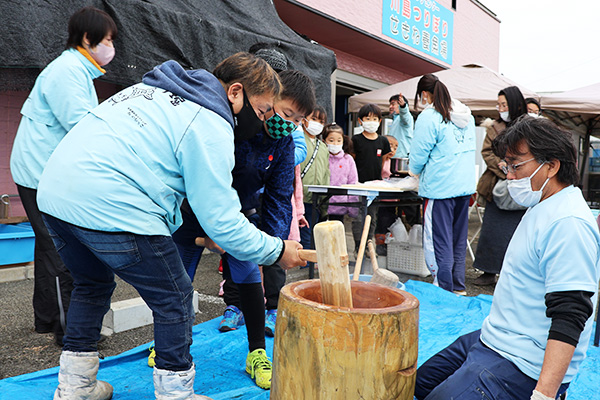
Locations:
(421, 24)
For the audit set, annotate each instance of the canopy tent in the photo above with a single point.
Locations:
(577, 110)
(474, 85)
(196, 33)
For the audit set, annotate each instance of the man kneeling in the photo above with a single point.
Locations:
(539, 326)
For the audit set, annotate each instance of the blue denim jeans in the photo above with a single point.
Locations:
(151, 264)
(469, 370)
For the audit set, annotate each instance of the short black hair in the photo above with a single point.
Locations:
(396, 97)
(96, 23)
(531, 100)
(368, 109)
(546, 142)
(300, 89)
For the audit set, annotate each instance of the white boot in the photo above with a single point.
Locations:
(77, 378)
(175, 385)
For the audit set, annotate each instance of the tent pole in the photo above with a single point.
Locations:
(586, 149)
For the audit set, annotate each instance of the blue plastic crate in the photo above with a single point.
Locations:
(16, 243)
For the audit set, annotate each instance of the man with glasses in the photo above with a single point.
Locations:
(540, 323)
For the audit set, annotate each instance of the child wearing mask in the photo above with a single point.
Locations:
(342, 170)
(369, 148)
(314, 170)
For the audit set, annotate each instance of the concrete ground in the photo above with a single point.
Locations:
(23, 351)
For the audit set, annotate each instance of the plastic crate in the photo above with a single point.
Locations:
(16, 243)
(406, 258)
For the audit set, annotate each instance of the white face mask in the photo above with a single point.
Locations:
(314, 128)
(504, 116)
(334, 148)
(370, 126)
(534, 115)
(522, 193)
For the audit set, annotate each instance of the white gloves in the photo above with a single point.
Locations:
(539, 396)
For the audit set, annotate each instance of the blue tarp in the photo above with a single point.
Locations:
(220, 357)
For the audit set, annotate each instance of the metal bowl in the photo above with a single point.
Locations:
(399, 165)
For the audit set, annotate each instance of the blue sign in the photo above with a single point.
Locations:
(421, 24)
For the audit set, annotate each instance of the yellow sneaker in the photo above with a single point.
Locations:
(260, 368)
(151, 362)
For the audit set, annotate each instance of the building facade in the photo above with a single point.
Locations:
(381, 42)
(376, 43)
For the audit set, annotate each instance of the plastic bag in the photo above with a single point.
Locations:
(415, 236)
(398, 231)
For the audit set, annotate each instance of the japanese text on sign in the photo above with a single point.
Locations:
(421, 24)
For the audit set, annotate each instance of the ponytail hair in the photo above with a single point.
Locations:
(442, 102)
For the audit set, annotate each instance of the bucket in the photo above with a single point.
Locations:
(328, 352)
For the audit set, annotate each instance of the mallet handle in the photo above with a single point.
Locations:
(373, 255)
(361, 248)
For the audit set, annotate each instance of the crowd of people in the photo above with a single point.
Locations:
(192, 159)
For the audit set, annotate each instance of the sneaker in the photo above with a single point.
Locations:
(232, 319)
(260, 368)
(151, 357)
(460, 292)
(270, 320)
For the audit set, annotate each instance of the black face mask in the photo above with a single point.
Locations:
(247, 124)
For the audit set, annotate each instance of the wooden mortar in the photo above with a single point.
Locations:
(330, 352)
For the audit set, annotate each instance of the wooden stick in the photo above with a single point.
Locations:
(308, 255)
(372, 255)
(330, 241)
(361, 248)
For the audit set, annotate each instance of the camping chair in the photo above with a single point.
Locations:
(479, 210)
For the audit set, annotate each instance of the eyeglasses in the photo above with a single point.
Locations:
(512, 168)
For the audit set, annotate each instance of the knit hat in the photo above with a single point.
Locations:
(274, 58)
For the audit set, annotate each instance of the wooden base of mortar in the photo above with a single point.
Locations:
(327, 352)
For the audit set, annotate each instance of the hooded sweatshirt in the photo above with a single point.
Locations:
(443, 153)
(127, 166)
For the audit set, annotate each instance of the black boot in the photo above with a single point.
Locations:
(485, 279)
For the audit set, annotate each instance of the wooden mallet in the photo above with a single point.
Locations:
(332, 257)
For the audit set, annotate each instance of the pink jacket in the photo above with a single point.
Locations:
(297, 206)
(342, 171)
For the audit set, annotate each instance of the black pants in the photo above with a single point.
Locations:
(273, 280)
(53, 283)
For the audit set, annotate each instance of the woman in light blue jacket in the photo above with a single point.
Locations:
(63, 94)
(442, 154)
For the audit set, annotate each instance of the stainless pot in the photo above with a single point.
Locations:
(399, 165)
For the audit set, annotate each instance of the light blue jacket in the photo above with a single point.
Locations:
(129, 163)
(300, 143)
(443, 153)
(402, 130)
(63, 94)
